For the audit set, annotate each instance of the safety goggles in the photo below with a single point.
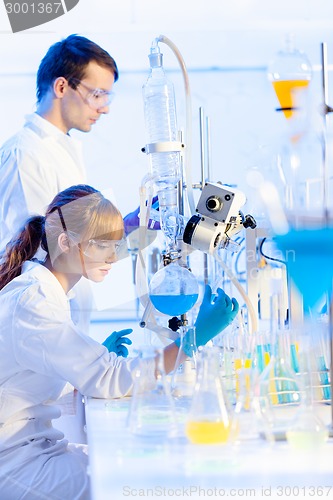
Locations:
(95, 98)
(100, 250)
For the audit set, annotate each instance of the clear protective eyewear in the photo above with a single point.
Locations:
(99, 250)
(102, 250)
(95, 98)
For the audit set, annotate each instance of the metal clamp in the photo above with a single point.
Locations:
(163, 147)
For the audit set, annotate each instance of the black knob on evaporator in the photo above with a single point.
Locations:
(190, 227)
(174, 323)
(249, 221)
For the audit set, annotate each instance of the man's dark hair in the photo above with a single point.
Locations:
(69, 58)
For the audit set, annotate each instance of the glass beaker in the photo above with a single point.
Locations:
(152, 411)
(173, 290)
(209, 417)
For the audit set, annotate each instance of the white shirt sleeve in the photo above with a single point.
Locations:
(47, 342)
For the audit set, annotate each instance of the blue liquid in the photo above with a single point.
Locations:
(174, 305)
(309, 257)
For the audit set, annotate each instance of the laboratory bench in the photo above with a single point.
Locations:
(126, 466)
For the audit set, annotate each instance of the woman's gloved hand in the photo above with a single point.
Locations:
(115, 341)
(215, 314)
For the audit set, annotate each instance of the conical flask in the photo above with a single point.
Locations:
(152, 411)
(184, 374)
(209, 418)
(306, 430)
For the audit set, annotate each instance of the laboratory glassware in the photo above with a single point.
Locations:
(306, 247)
(184, 373)
(278, 390)
(307, 430)
(152, 411)
(209, 416)
(161, 124)
(174, 289)
(247, 422)
(290, 73)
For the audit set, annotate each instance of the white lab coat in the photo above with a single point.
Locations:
(35, 164)
(40, 350)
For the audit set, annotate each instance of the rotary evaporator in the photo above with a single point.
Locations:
(211, 227)
(208, 226)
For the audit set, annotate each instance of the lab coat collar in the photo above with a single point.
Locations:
(42, 127)
(49, 132)
(41, 272)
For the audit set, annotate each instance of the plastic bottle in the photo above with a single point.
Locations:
(161, 124)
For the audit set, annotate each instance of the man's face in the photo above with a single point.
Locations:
(79, 109)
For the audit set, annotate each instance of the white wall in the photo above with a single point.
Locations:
(226, 47)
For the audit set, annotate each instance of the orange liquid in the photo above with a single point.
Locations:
(206, 432)
(286, 91)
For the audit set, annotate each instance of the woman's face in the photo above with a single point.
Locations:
(96, 257)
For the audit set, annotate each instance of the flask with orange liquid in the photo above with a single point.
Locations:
(290, 74)
(209, 416)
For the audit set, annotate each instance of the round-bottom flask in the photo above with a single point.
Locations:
(173, 290)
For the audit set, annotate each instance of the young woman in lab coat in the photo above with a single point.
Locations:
(41, 349)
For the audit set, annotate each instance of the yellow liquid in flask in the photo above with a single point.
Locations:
(286, 92)
(206, 432)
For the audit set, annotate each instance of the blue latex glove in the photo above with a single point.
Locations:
(215, 314)
(132, 220)
(115, 341)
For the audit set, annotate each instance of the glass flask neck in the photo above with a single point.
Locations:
(209, 362)
(209, 420)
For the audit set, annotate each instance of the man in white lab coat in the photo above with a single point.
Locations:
(74, 88)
